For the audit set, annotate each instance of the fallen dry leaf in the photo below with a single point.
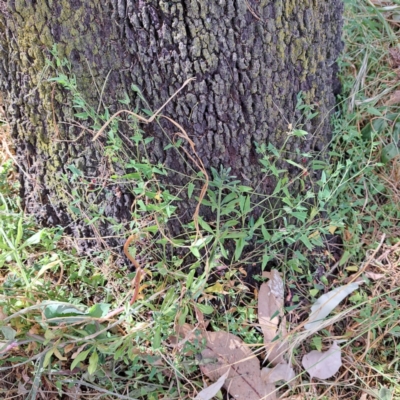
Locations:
(360, 280)
(281, 372)
(225, 351)
(326, 303)
(323, 365)
(395, 56)
(210, 391)
(394, 99)
(201, 322)
(270, 310)
(347, 235)
(68, 348)
(374, 276)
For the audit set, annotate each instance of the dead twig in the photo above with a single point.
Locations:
(139, 117)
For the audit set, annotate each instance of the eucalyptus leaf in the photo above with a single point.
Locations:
(323, 365)
(326, 303)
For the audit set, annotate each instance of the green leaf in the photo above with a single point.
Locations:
(75, 210)
(80, 357)
(295, 164)
(183, 315)
(389, 152)
(189, 279)
(74, 170)
(346, 255)
(202, 241)
(147, 112)
(306, 242)
(169, 299)
(34, 239)
(266, 257)
(273, 149)
(234, 235)
(205, 202)
(141, 204)
(99, 310)
(205, 309)
(266, 234)
(300, 216)
(205, 225)
(323, 177)
(374, 111)
(8, 332)
(133, 175)
(223, 251)
(230, 223)
(93, 362)
(195, 252)
(61, 310)
(259, 222)
(317, 342)
(247, 206)
(125, 100)
(277, 187)
(385, 394)
(229, 197)
(299, 132)
(239, 248)
(242, 203)
(157, 338)
(229, 208)
(82, 115)
(20, 232)
(245, 189)
(47, 357)
(190, 189)
(49, 335)
(213, 198)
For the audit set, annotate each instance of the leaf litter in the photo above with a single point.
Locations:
(209, 392)
(281, 372)
(323, 365)
(272, 319)
(226, 352)
(231, 364)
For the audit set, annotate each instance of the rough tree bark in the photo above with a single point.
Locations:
(250, 59)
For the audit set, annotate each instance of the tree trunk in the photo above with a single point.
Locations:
(250, 58)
